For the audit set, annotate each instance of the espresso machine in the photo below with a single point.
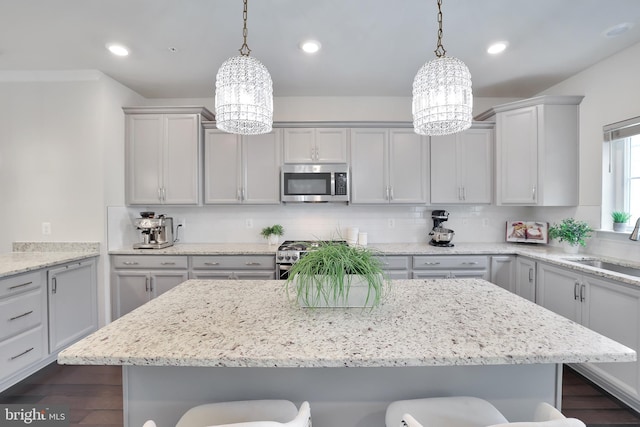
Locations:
(440, 236)
(157, 232)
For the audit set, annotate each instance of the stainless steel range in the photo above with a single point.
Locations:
(290, 251)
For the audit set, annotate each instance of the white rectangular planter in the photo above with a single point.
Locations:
(357, 295)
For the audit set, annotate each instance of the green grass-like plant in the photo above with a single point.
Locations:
(276, 229)
(323, 275)
(620, 216)
(571, 231)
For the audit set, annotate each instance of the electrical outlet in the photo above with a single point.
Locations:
(391, 223)
(248, 223)
(46, 228)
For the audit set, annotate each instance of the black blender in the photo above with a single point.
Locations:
(440, 236)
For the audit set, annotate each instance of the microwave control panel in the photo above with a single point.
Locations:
(341, 183)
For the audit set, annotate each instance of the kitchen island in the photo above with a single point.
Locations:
(225, 340)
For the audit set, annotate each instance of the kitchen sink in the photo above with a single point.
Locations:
(604, 265)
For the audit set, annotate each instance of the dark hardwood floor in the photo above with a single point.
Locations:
(94, 396)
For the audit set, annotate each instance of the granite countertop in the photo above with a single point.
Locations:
(421, 323)
(29, 256)
(204, 249)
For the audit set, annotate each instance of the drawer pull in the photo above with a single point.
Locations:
(21, 315)
(54, 285)
(469, 263)
(21, 354)
(211, 263)
(576, 286)
(19, 286)
(252, 263)
(167, 263)
(130, 262)
(431, 263)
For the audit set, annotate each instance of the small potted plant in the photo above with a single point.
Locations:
(272, 233)
(573, 232)
(338, 275)
(620, 219)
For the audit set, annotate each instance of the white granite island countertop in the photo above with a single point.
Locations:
(448, 322)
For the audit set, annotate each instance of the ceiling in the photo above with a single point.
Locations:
(369, 47)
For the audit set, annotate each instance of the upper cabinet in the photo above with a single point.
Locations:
(537, 151)
(162, 149)
(241, 169)
(388, 166)
(315, 145)
(461, 166)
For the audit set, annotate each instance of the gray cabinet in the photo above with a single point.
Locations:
(450, 267)
(162, 155)
(461, 166)
(388, 166)
(537, 151)
(396, 266)
(503, 271)
(526, 278)
(233, 267)
(242, 169)
(72, 303)
(135, 280)
(315, 145)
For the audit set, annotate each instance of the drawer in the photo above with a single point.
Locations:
(394, 262)
(20, 313)
(234, 262)
(421, 262)
(21, 351)
(150, 261)
(21, 283)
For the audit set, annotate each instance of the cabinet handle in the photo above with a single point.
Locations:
(391, 192)
(164, 194)
(242, 194)
(583, 288)
(150, 284)
(211, 263)
(21, 315)
(167, 263)
(130, 263)
(576, 285)
(469, 263)
(252, 263)
(54, 285)
(530, 275)
(146, 284)
(464, 193)
(20, 285)
(533, 193)
(431, 263)
(21, 354)
(160, 193)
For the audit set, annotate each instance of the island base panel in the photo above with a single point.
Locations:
(355, 397)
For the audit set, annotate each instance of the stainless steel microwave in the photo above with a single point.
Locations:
(315, 183)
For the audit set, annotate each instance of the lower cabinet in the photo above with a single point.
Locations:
(395, 267)
(234, 267)
(608, 307)
(72, 303)
(450, 267)
(503, 271)
(526, 278)
(135, 280)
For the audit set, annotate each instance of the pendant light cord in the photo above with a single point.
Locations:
(440, 51)
(244, 49)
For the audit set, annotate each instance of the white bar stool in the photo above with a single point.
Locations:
(247, 413)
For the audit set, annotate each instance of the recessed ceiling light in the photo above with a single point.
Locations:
(617, 30)
(497, 48)
(118, 49)
(310, 46)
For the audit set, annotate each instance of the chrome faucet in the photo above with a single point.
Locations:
(635, 234)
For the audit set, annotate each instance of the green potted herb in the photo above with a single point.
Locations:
(272, 233)
(573, 232)
(338, 275)
(620, 219)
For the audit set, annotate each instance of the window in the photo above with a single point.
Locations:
(621, 174)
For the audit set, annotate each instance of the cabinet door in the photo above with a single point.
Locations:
(517, 154)
(181, 163)
(261, 157)
(331, 145)
(503, 272)
(613, 310)
(299, 145)
(560, 291)
(526, 278)
(471, 274)
(369, 166)
(143, 171)
(445, 187)
(223, 177)
(407, 167)
(474, 154)
(72, 304)
(255, 275)
(130, 289)
(161, 282)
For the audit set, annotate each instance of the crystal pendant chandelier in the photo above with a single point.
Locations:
(244, 93)
(442, 98)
